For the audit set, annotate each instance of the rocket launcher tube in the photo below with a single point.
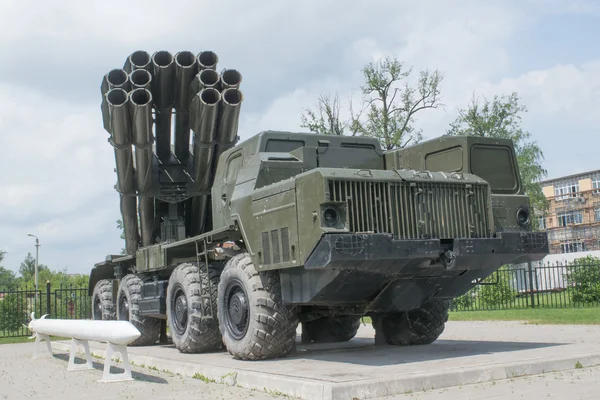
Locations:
(140, 78)
(185, 69)
(141, 117)
(207, 60)
(141, 113)
(203, 120)
(116, 78)
(138, 60)
(117, 103)
(204, 117)
(231, 78)
(162, 94)
(120, 130)
(228, 121)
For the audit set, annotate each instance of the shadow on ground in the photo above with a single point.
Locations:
(362, 351)
(138, 376)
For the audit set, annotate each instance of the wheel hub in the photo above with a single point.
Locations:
(179, 310)
(236, 309)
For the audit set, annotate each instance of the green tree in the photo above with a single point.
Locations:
(501, 118)
(583, 279)
(27, 268)
(388, 107)
(7, 278)
(326, 119)
(122, 229)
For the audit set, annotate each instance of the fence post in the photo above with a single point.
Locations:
(530, 269)
(48, 297)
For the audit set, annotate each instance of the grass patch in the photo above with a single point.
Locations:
(561, 316)
(203, 378)
(24, 339)
(578, 316)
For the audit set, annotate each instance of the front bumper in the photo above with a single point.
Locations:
(381, 252)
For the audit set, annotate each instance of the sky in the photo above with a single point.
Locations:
(56, 166)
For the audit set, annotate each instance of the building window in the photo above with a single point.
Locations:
(542, 222)
(572, 247)
(566, 190)
(597, 211)
(570, 218)
(596, 185)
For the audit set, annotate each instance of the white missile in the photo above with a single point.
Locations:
(116, 332)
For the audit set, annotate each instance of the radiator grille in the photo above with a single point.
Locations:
(415, 210)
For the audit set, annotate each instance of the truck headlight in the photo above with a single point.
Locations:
(333, 215)
(523, 217)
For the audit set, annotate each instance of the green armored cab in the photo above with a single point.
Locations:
(234, 244)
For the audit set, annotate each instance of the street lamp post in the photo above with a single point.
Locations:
(37, 253)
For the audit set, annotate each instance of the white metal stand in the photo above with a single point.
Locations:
(38, 339)
(124, 376)
(86, 347)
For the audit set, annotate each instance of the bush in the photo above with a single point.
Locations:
(464, 302)
(13, 313)
(584, 280)
(488, 296)
(501, 293)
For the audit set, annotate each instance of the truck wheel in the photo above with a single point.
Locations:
(128, 309)
(421, 325)
(254, 322)
(103, 307)
(189, 300)
(336, 329)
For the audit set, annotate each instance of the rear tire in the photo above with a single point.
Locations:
(128, 309)
(103, 307)
(335, 329)
(419, 326)
(191, 333)
(254, 322)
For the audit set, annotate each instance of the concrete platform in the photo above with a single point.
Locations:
(466, 353)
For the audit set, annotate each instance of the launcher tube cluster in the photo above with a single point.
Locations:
(142, 103)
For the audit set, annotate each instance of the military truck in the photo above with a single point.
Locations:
(233, 245)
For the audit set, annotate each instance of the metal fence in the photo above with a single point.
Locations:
(512, 287)
(16, 306)
(534, 286)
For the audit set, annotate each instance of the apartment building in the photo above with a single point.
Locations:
(573, 216)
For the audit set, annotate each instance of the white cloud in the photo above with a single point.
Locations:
(57, 175)
(562, 103)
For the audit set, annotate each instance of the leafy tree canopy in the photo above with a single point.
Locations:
(388, 108)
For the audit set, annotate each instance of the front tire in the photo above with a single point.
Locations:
(254, 322)
(128, 309)
(419, 326)
(103, 307)
(189, 301)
